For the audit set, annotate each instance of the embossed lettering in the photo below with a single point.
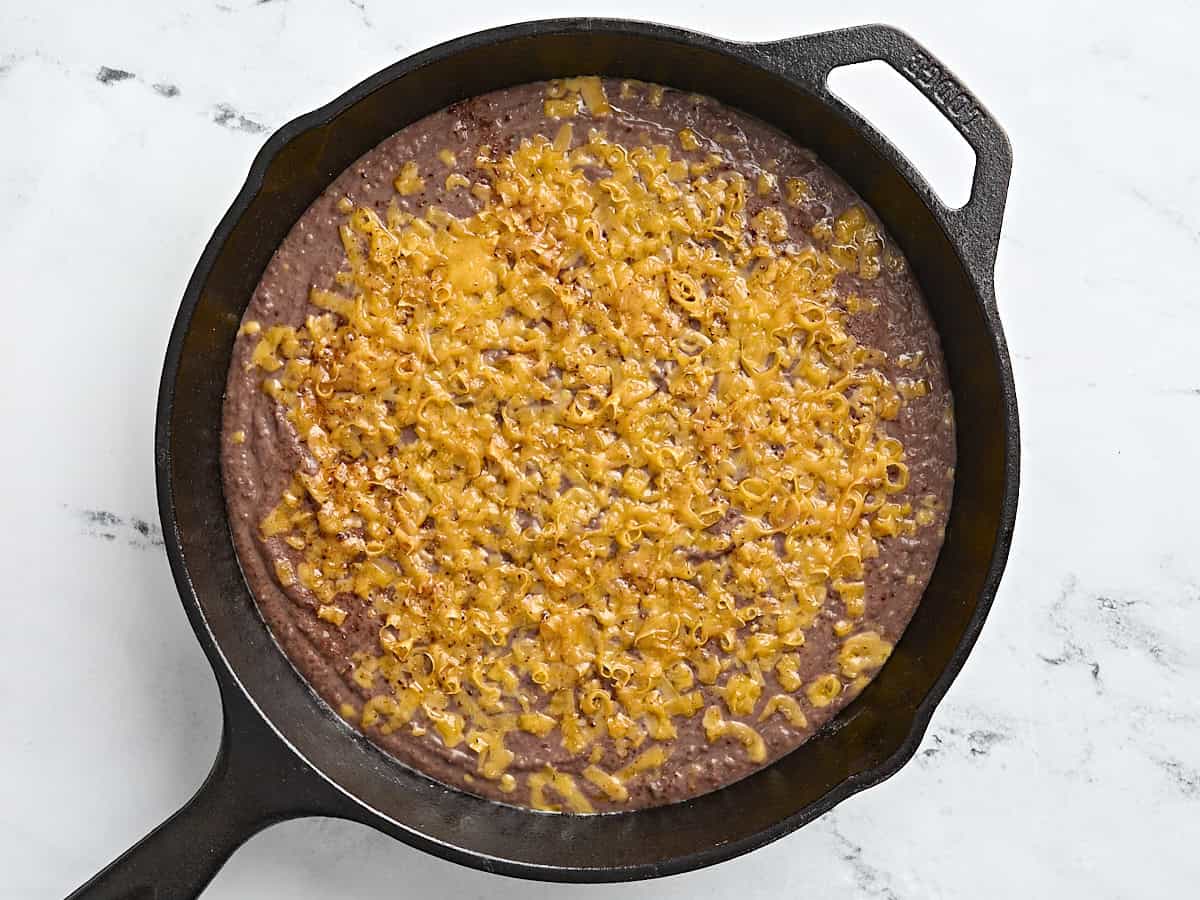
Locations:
(940, 87)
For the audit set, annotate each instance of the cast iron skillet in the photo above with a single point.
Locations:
(284, 754)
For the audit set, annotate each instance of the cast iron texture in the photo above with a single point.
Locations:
(284, 754)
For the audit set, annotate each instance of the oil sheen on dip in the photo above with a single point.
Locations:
(587, 445)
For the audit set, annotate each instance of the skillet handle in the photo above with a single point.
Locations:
(975, 227)
(254, 782)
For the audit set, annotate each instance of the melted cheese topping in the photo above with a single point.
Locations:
(594, 457)
(788, 707)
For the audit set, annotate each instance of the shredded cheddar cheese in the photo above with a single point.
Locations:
(863, 652)
(788, 707)
(333, 614)
(716, 728)
(612, 787)
(797, 190)
(824, 690)
(586, 454)
(560, 784)
(409, 181)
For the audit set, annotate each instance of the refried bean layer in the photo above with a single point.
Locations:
(820, 518)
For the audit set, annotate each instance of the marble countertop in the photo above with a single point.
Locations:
(1064, 762)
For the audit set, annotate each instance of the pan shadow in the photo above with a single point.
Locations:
(336, 858)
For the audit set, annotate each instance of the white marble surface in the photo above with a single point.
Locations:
(1066, 759)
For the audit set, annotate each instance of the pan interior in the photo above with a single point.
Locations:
(868, 734)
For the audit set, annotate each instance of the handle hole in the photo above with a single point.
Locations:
(901, 113)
